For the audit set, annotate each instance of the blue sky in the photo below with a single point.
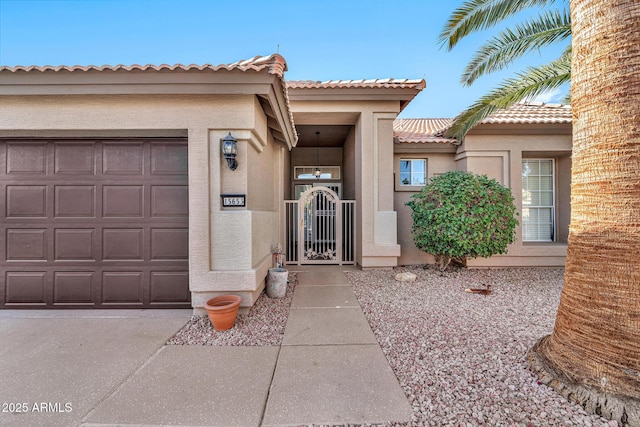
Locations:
(321, 40)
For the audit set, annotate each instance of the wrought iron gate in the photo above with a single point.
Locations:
(320, 228)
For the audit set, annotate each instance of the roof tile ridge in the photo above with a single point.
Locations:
(275, 63)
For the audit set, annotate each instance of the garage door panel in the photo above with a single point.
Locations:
(122, 244)
(26, 201)
(29, 158)
(170, 287)
(94, 223)
(25, 287)
(74, 244)
(73, 287)
(26, 244)
(123, 201)
(169, 243)
(169, 201)
(168, 159)
(76, 201)
(74, 158)
(122, 159)
(122, 287)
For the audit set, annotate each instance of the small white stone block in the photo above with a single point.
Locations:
(406, 277)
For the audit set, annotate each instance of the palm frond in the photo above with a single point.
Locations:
(511, 44)
(526, 86)
(477, 15)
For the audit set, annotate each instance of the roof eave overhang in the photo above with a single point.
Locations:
(123, 82)
(404, 95)
(523, 128)
(268, 86)
(276, 107)
(424, 146)
(426, 141)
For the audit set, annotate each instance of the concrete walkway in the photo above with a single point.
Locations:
(331, 369)
(95, 368)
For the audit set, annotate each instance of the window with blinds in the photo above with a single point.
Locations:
(538, 200)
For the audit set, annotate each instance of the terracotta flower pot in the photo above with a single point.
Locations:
(222, 311)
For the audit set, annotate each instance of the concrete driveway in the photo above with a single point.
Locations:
(57, 366)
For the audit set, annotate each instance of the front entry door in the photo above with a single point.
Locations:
(320, 230)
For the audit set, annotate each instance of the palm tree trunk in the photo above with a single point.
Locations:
(593, 354)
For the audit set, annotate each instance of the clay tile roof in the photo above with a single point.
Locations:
(531, 113)
(347, 84)
(432, 130)
(422, 130)
(274, 63)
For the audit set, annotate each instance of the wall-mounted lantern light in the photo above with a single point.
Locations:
(230, 151)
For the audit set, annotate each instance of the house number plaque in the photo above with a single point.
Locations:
(233, 200)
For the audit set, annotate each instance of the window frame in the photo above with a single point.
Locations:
(539, 207)
(411, 173)
(323, 169)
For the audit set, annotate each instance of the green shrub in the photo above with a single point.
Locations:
(460, 215)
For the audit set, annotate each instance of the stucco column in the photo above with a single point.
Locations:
(380, 246)
(230, 226)
(221, 239)
(199, 204)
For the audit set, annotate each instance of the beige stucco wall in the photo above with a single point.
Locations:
(229, 249)
(285, 173)
(326, 156)
(117, 112)
(498, 154)
(379, 219)
(349, 166)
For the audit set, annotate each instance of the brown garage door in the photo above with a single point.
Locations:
(94, 223)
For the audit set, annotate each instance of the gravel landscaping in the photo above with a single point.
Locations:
(262, 326)
(461, 357)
